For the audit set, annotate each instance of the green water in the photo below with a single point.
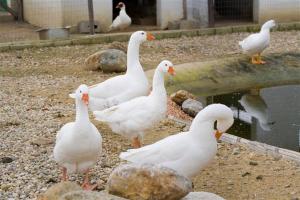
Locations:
(282, 105)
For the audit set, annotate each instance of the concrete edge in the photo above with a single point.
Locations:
(259, 147)
(123, 37)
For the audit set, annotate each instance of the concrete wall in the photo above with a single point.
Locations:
(279, 10)
(168, 10)
(44, 13)
(197, 10)
(60, 13)
(77, 10)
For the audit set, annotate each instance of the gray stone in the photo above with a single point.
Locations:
(58, 190)
(180, 96)
(189, 24)
(202, 196)
(89, 195)
(110, 60)
(145, 182)
(192, 107)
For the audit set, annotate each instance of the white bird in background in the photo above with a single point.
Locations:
(133, 117)
(187, 152)
(257, 108)
(254, 44)
(122, 88)
(122, 21)
(78, 144)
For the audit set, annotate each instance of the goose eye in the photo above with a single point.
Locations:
(80, 91)
(143, 33)
(166, 65)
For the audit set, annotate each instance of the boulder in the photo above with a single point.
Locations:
(180, 96)
(58, 190)
(146, 181)
(89, 195)
(192, 107)
(202, 196)
(110, 60)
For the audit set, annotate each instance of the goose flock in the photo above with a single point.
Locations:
(126, 104)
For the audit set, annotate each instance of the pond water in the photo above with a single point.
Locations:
(269, 115)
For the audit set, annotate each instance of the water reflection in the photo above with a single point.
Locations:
(256, 107)
(271, 115)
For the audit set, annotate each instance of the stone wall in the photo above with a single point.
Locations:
(59, 13)
(197, 10)
(279, 10)
(168, 10)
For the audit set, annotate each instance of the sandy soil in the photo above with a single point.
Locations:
(34, 104)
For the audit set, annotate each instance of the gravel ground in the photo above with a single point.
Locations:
(34, 104)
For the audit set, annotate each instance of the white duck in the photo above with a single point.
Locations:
(123, 87)
(133, 117)
(122, 21)
(187, 152)
(78, 144)
(254, 44)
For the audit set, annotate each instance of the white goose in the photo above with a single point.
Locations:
(133, 117)
(122, 21)
(187, 152)
(123, 87)
(254, 44)
(78, 144)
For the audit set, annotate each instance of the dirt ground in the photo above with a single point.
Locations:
(34, 104)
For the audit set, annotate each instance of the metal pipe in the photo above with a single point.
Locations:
(91, 17)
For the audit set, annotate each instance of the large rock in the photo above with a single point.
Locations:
(180, 96)
(202, 196)
(145, 182)
(59, 189)
(110, 60)
(89, 195)
(192, 107)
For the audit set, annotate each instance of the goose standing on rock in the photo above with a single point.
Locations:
(78, 144)
(133, 117)
(187, 152)
(124, 87)
(254, 44)
(122, 21)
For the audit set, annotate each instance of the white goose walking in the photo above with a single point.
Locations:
(78, 144)
(122, 21)
(187, 152)
(254, 44)
(123, 87)
(133, 117)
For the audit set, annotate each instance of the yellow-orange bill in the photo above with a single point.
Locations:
(218, 134)
(85, 99)
(150, 36)
(171, 71)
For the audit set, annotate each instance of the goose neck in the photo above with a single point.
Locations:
(81, 112)
(133, 57)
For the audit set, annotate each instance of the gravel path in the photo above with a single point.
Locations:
(34, 104)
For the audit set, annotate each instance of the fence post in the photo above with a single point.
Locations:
(91, 17)
(211, 13)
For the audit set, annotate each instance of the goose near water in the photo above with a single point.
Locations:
(187, 152)
(254, 44)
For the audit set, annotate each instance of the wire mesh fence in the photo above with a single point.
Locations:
(145, 14)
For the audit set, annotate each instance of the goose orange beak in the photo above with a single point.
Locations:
(85, 99)
(171, 71)
(218, 134)
(150, 36)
